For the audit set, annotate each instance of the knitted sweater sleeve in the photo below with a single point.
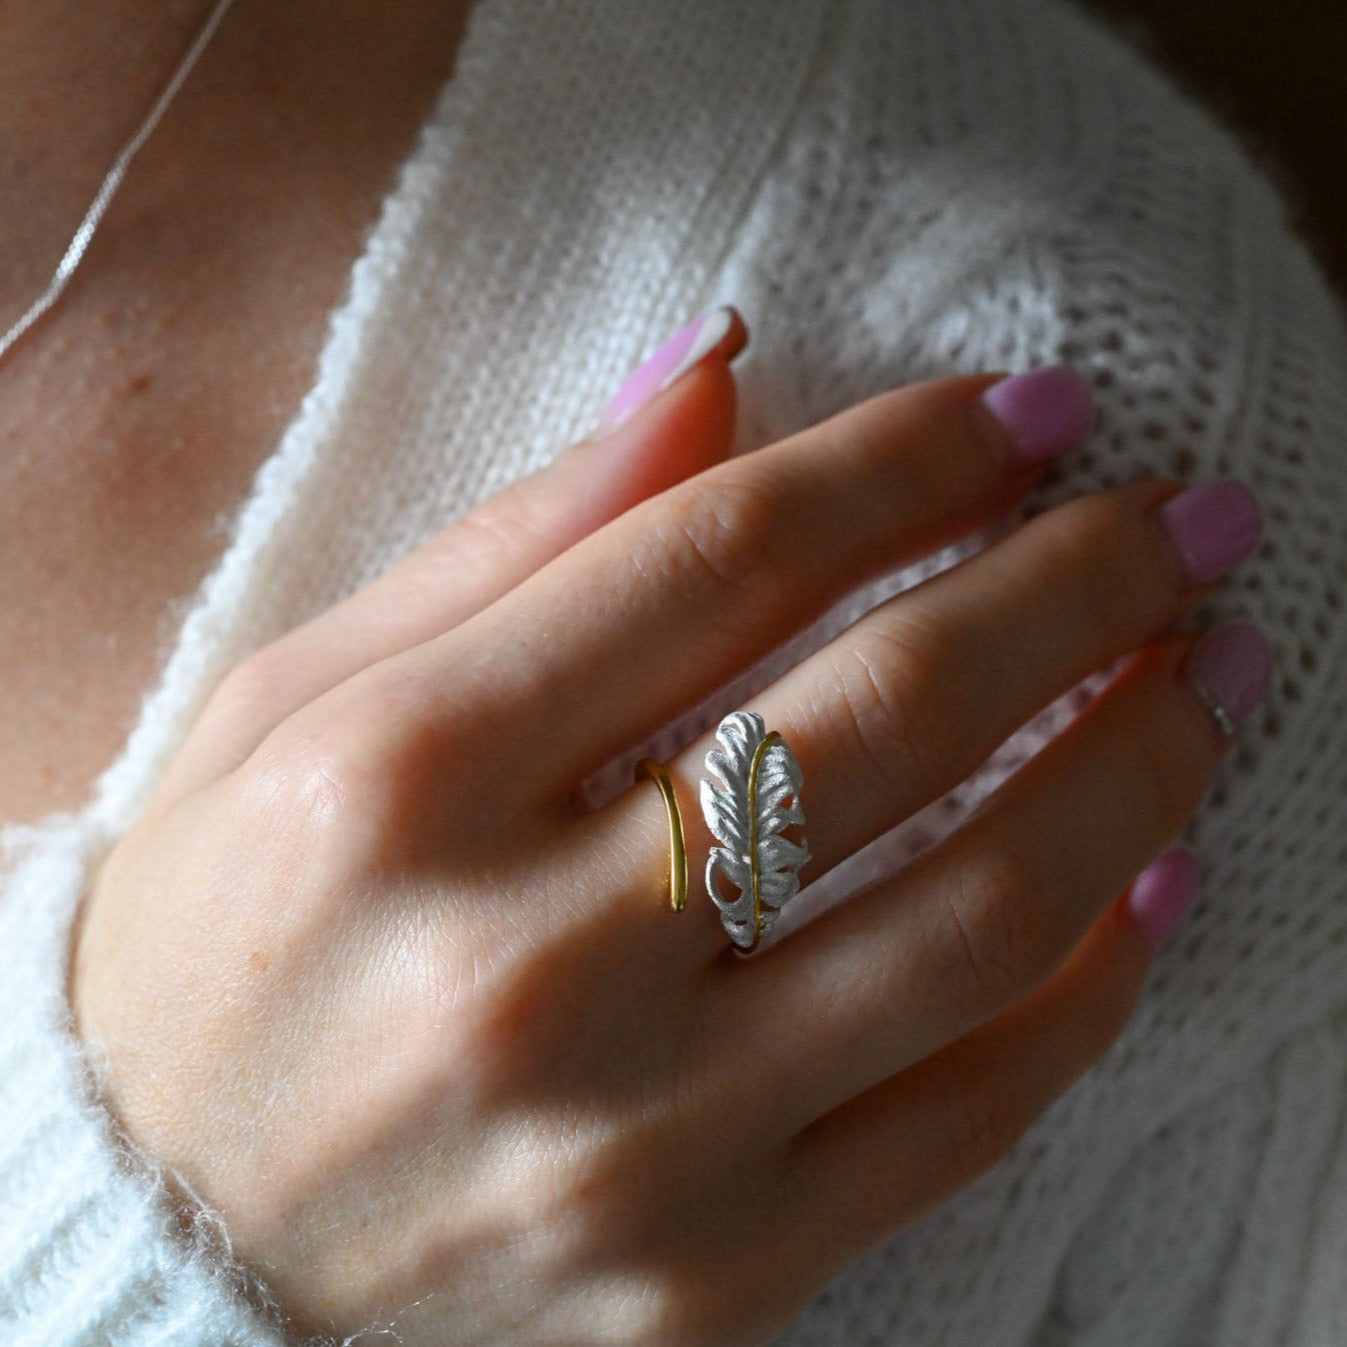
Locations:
(90, 1249)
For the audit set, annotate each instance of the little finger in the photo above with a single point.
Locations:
(887, 1157)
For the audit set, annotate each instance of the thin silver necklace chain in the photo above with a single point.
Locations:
(74, 254)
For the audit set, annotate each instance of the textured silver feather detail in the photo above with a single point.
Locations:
(755, 799)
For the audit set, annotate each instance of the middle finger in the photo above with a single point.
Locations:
(901, 708)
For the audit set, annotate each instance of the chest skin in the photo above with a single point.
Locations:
(134, 417)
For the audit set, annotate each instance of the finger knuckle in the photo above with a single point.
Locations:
(496, 534)
(310, 784)
(1167, 765)
(979, 1129)
(1120, 586)
(726, 536)
(329, 790)
(992, 933)
(897, 701)
(251, 688)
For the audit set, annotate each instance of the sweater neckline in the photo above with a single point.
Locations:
(573, 196)
(121, 789)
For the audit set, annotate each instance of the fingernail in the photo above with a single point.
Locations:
(1044, 413)
(1230, 668)
(1213, 526)
(720, 330)
(1163, 892)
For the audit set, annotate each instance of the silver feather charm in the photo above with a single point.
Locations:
(756, 797)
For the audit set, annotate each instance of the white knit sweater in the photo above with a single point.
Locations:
(890, 190)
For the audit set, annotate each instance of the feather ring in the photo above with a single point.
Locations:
(755, 799)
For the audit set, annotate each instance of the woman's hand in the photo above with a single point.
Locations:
(426, 1033)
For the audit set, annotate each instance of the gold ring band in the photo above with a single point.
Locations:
(650, 770)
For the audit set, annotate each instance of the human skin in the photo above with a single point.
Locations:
(426, 1074)
(376, 988)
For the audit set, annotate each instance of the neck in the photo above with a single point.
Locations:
(80, 79)
(134, 415)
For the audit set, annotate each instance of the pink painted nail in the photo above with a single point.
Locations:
(1213, 526)
(720, 330)
(1230, 669)
(1163, 893)
(1043, 413)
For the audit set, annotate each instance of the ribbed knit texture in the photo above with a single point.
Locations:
(890, 190)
